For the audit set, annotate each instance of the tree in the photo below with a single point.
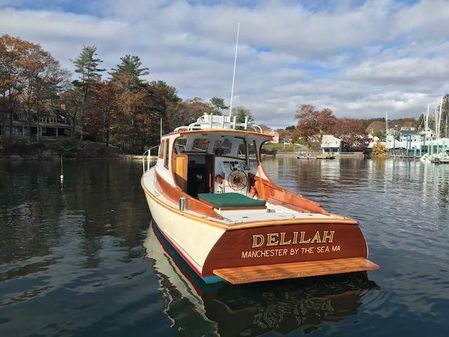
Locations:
(42, 79)
(87, 66)
(12, 50)
(188, 111)
(139, 105)
(129, 72)
(165, 101)
(103, 109)
(30, 77)
(241, 113)
(71, 102)
(218, 105)
(444, 118)
(313, 122)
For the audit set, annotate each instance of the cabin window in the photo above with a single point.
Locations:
(180, 145)
(222, 147)
(241, 154)
(252, 155)
(200, 145)
(166, 156)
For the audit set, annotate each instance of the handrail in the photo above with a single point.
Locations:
(146, 158)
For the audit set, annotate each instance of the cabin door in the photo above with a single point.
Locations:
(199, 174)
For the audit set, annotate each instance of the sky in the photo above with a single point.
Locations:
(359, 58)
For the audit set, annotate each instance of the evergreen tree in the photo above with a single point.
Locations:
(218, 105)
(87, 66)
(129, 72)
(241, 113)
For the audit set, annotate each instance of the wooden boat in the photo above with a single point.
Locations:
(211, 199)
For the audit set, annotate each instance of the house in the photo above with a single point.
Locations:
(50, 124)
(331, 144)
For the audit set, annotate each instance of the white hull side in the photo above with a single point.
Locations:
(193, 238)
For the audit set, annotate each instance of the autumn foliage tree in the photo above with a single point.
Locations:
(352, 132)
(102, 111)
(313, 122)
(30, 78)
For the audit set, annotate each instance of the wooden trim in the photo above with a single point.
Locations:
(175, 193)
(253, 224)
(275, 194)
(249, 274)
(184, 214)
(250, 224)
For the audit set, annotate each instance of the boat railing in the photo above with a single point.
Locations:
(147, 159)
(210, 121)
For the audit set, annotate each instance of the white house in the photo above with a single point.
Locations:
(330, 144)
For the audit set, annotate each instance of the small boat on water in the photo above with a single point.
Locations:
(305, 155)
(325, 155)
(211, 199)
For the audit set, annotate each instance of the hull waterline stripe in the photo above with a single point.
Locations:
(179, 251)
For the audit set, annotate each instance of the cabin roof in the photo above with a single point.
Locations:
(223, 132)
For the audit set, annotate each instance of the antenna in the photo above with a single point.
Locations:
(233, 73)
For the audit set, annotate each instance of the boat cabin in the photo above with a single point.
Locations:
(213, 166)
(216, 160)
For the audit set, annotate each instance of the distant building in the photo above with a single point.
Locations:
(50, 125)
(331, 144)
(274, 134)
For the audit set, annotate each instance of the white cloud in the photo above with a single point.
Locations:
(360, 60)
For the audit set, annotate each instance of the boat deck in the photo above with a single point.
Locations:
(272, 212)
(234, 218)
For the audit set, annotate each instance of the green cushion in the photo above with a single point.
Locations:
(230, 200)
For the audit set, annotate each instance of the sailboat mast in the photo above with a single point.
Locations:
(233, 73)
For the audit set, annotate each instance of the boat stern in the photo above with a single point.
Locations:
(262, 253)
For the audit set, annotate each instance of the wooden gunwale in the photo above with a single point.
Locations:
(174, 193)
(249, 224)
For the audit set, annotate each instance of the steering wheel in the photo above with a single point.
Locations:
(237, 180)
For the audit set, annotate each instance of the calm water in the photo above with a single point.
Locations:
(82, 259)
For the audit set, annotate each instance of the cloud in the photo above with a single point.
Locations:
(360, 59)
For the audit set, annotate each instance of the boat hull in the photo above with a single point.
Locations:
(208, 247)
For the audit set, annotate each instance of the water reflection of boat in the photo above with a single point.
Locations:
(195, 308)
